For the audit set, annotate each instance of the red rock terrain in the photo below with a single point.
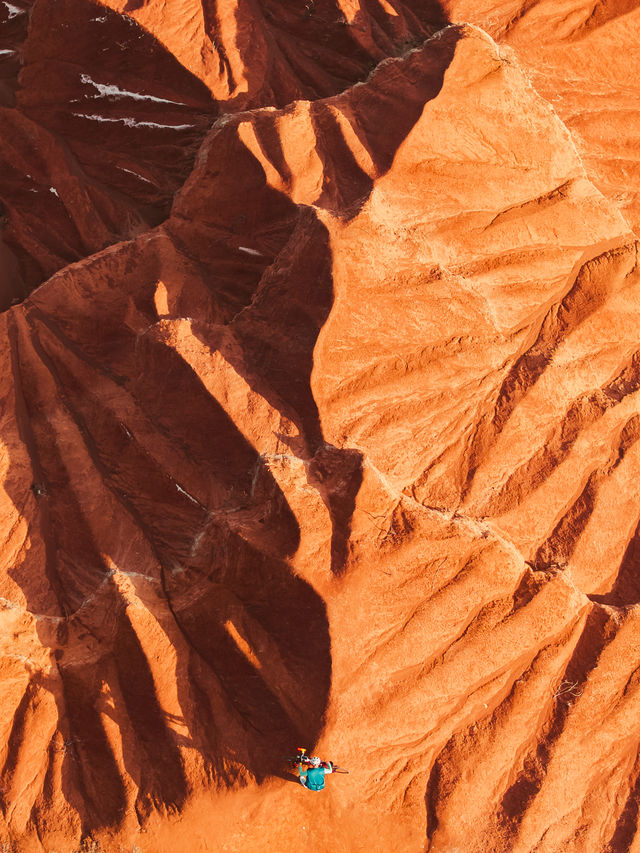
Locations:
(320, 425)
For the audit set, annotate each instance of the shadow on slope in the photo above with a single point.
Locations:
(317, 48)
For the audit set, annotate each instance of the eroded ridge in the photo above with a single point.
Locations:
(102, 119)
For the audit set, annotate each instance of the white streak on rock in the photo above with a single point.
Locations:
(110, 91)
(131, 122)
(14, 11)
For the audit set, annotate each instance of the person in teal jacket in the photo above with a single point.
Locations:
(312, 773)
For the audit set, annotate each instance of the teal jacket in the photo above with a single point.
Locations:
(315, 778)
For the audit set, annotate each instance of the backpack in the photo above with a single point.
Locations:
(315, 778)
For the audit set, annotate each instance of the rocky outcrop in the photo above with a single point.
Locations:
(334, 442)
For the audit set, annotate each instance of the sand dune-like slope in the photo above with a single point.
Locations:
(320, 426)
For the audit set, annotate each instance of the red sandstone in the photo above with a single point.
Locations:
(319, 419)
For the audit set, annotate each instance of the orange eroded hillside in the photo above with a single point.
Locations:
(320, 425)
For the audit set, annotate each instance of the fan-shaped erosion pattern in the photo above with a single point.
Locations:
(319, 420)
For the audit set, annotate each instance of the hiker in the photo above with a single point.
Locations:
(312, 772)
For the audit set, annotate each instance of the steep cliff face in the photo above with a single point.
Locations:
(329, 437)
